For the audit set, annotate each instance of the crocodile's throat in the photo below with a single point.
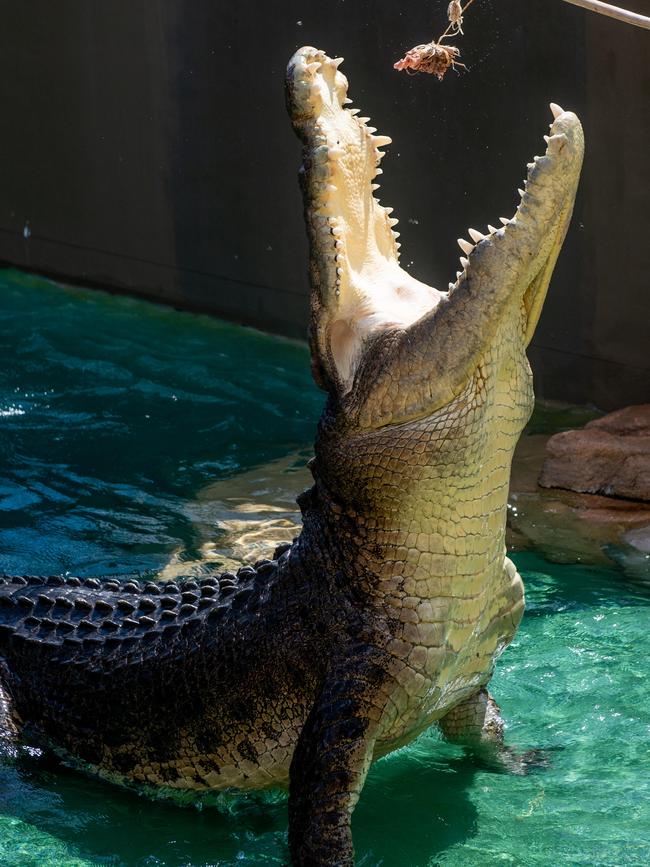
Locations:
(355, 252)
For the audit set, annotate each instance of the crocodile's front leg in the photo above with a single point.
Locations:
(332, 758)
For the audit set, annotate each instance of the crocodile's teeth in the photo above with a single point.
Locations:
(393, 221)
(556, 109)
(379, 172)
(452, 286)
(547, 139)
(521, 192)
(364, 119)
(396, 234)
(336, 61)
(555, 142)
(465, 246)
(492, 229)
(459, 274)
(371, 129)
(354, 110)
(475, 235)
(381, 140)
(374, 187)
(504, 220)
(464, 262)
(347, 101)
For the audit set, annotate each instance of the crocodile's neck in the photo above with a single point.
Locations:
(397, 506)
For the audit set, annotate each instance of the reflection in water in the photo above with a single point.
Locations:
(243, 519)
(137, 439)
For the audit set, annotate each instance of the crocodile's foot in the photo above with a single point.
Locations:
(477, 725)
(359, 285)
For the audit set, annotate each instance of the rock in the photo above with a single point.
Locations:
(569, 527)
(610, 456)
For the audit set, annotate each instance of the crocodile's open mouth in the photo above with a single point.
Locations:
(355, 248)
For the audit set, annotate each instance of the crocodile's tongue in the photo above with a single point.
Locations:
(362, 286)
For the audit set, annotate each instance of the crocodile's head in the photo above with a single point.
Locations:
(359, 288)
(424, 384)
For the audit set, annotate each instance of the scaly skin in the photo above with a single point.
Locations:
(387, 613)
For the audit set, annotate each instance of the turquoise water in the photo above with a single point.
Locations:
(125, 429)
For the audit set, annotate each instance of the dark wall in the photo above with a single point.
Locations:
(145, 147)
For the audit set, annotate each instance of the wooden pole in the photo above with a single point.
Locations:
(613, 12)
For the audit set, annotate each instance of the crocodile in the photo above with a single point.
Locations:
(386, 614)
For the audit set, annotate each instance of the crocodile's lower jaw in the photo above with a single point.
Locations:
(355, 250)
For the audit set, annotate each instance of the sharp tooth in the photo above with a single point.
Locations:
(388, 211)
(393, 221)
(451, 286)
(504, 220)
(364, 119)
(380, 155)
(396, 234)
(492, 229)
(379, 172)
(521, 192)
(475, 235)
(556, 141)
(347, 101)
(336, 61)
(381, 140)
(547, 139)
(459, 274)
(312, 67)
(465, 246)
(372, 129)
(354, 110)
(530, 165)
(556, 109)
(464, 262)
(374, 187)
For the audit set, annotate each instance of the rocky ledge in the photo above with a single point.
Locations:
(592, 503)
(610, 456)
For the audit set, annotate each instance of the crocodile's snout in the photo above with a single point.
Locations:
(360, 290)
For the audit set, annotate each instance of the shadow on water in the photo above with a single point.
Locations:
(104, 824)
(413, 796)
(418, 797)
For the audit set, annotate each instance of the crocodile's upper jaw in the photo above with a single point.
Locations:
(359, 286)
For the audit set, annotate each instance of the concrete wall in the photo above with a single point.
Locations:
(145, 147)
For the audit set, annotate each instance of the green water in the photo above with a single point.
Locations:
(117, 418)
